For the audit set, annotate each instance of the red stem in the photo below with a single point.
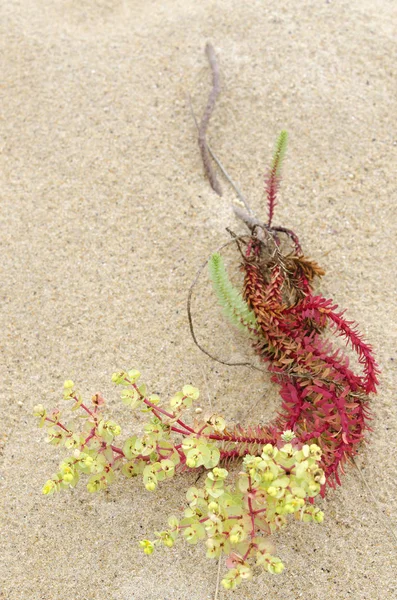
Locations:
(58, 424)
(251, 510)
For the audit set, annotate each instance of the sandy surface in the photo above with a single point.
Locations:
(105, 218)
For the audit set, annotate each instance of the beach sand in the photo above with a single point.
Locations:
(106, 217)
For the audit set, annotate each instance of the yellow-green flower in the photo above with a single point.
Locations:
(49, 487)
(147, 546)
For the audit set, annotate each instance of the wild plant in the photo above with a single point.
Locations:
(253, 477)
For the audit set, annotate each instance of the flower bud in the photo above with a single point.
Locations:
(147, 546)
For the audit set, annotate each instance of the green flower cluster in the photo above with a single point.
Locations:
(92, 448)
(284, 478)
(154, 455)
(236, 518)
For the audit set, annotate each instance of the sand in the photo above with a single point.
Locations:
(106, 217)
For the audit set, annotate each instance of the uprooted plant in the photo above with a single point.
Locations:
(283, 465)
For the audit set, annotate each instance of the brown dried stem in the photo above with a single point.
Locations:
(216, 88)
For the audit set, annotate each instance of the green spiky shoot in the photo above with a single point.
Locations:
(234, 306)
(273, 178)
